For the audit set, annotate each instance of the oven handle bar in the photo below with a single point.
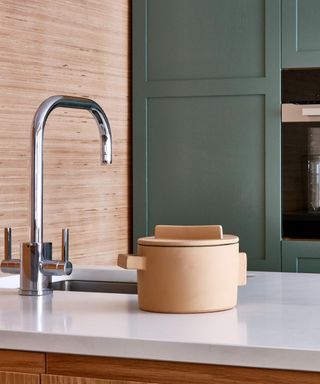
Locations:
(311, 111)
(300, 112)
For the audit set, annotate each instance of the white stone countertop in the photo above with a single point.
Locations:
(276, 324)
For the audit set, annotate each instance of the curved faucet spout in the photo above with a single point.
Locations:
(39, 122)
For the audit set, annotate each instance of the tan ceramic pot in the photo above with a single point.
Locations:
(187, 269)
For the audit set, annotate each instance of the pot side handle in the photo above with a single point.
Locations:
(242, 279)
(131, 262)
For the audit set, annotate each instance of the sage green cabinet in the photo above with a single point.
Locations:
(301, 256)
(300, 33)
(206, 119)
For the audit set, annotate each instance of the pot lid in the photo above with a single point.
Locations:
(188, 236)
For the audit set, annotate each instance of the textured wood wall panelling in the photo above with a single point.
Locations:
(78, 48)
(163, 372)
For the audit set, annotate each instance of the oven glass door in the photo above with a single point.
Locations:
(301, 171)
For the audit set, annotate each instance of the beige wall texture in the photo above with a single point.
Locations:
(79, 48)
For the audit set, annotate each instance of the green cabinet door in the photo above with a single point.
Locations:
(300, 33)
(206, 119)
(301, 256)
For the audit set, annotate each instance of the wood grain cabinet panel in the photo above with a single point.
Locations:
(54, 379)
(18, 378)
(119, 370)
(20, 367)
(21, 361)
(78, 369)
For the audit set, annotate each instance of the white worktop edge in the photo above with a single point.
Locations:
(256, 357)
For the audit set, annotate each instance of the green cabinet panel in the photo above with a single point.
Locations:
(188, 39)
(300, 33)
(301, 256)
(206, 165)
(206, 119)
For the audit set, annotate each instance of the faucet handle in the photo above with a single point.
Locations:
(8, 264)
(65, 245)
(59, 267)
(65, 265)
(7, 244)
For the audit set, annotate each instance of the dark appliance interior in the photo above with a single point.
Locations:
(300, 157)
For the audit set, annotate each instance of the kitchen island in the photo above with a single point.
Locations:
(276, 324)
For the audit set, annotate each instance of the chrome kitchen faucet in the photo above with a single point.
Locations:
(36, 266)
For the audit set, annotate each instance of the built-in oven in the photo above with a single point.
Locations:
(301, 154)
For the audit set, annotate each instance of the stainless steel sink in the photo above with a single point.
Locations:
(95, 286)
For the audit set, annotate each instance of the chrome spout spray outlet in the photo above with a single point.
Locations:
(36, 266)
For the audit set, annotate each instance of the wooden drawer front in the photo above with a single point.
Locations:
(18, 378)
(120, 371)
(54, 379)
(20, 361)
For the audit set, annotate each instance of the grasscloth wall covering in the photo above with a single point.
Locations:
(72, 47)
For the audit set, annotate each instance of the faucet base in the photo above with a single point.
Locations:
(41, 292)
(32, 281)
